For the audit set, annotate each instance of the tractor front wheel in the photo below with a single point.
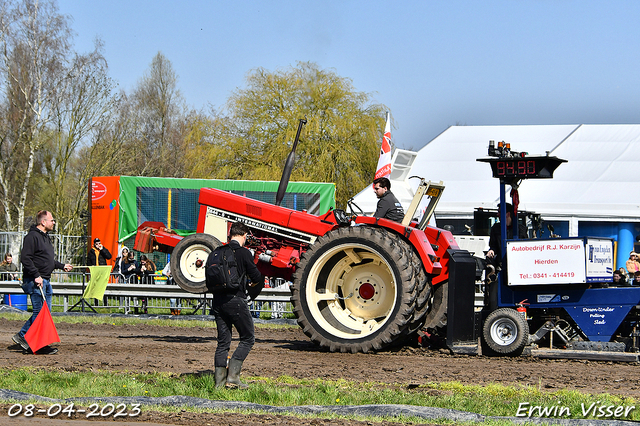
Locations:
(188, 261)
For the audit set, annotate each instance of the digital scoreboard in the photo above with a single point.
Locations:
(523, 167)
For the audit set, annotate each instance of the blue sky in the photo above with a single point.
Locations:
(432, 63)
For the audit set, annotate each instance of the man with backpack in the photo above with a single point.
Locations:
(230, 304)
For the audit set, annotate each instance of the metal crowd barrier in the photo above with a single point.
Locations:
(69, 287)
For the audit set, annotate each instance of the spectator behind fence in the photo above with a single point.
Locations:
(633, 265)
(147, 270)
(98, 254)
(625, 277)
(133, 275)
(7, 265)
(130, 269)
(619, 280)
(118, 265)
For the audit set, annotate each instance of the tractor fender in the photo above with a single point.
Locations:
(417, 238)
(441, 241)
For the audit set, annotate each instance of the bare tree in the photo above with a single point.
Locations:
(34, 47)
(159, 104)
(85, 105)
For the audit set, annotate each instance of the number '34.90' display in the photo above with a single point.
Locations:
(523, 167)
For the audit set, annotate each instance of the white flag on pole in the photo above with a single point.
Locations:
(384, 162)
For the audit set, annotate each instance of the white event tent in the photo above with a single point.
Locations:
(596, 185)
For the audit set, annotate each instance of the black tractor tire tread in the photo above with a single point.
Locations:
(421, 279)
(436, 317)
(423, 284)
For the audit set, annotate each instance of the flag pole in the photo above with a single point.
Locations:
(82, 302)
(43, 298)
(383, 168)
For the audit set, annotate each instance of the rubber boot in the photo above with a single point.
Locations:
(233, 379)
(221, 377)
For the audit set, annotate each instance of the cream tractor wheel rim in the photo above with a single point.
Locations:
(193, 260)
(358, 295)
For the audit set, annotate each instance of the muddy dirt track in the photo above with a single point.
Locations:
(287, 351)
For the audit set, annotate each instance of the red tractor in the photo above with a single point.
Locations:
(359, 283)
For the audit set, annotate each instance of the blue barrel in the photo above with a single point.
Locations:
(18, 301)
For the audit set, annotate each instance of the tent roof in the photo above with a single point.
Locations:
(595, 183)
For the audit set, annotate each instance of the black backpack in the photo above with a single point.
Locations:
(221, 271)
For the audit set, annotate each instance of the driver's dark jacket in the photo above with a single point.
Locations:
(495, 240)
(389, 208)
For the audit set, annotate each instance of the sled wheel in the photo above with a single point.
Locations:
(506, 332)
(353, 290)
(436, 318)
(188, 261)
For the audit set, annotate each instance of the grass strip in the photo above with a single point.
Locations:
(491, 400)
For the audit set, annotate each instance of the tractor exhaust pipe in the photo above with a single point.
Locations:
(288, 166)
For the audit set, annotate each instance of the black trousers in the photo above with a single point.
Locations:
(233, 312)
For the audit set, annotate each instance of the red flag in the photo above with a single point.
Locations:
(515, 201)
(43, 331)
(384, 162)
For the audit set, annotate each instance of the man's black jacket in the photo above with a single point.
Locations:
(37, 257)
(495, 240)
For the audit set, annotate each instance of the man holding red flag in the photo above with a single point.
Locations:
(38, 262)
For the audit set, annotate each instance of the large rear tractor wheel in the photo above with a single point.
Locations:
(354, 291)
(506, 332)
(188, 261)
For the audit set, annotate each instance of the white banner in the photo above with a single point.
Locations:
(599, 254)
(555, 261)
